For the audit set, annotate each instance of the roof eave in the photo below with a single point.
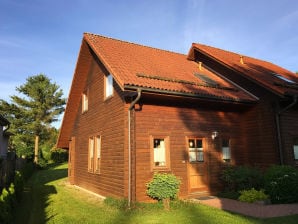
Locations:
(189, 95)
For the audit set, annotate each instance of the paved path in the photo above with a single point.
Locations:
(248, 209)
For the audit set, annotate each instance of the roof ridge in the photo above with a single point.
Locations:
(133, 43)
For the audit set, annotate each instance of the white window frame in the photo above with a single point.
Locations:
(226, 150)
(160, 154)
(109, 89)
(295, 149)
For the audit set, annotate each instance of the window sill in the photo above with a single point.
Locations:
(108, 98)
(155, 169)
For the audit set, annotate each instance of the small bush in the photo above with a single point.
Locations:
(281, 183)
(163, 186)
(252, 195)
(59, 155)
(242, 178)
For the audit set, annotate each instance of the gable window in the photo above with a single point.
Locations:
(195, 150)
(109, 86)
(84, 101)
(91, 154)
(226, 150)
(295, 148)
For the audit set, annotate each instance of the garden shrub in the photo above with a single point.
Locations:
(6, 204)
(19, 185)
(252, 195)
(281, 183)
(163, 187)
(59, 155)
(241, 178)
(10, 197)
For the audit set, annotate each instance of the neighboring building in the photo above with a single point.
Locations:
(4, 136)
(135, 110)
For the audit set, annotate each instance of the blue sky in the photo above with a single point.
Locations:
(44, 36)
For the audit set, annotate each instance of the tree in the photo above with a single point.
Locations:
(32, 113)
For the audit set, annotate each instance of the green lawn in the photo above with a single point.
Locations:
(49, 199)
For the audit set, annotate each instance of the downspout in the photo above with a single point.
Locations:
(129, 143)
(277, 120)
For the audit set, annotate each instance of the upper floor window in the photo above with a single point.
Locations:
(195, 150)
(295, 148)
(226, 150)
(84, 101)
(109, 86)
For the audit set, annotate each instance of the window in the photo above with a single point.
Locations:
(85, 102)
(91, 155)
(283, 78)
(195, 150)
(295, 148)
(159, 151)
(94, 154)
(226, 150)
(97, 153)
(109, 86)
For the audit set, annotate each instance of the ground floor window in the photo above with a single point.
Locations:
(226, 150)
(295, 148)
(91, 154)
(94, 154)
(195, 150)
(160, 152)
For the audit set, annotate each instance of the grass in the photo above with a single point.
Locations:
(49, 199)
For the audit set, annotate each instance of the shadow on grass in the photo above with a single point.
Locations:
(35, 198)
(180, 212)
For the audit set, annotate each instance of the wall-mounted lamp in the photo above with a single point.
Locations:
(214, 135)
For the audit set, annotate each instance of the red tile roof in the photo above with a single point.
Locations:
(141, 66)
(133, 66)
(261, 72)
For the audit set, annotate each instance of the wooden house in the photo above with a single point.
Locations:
(134, 110)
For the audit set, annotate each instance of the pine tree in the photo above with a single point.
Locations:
(32, 113)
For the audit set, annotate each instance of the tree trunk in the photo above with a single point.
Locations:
(36, 149)
(166, 204)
